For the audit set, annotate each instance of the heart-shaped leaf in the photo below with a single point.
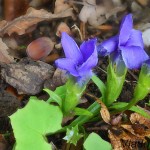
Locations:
(33, 122)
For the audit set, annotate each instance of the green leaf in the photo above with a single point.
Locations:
(143, 86)
(73, 94)
(61, 91)
(81, 111)
(101, 86)
(95, 142)
(133, 108)
(53, 97)
(115, 81)
(72, 136)
(33, 122)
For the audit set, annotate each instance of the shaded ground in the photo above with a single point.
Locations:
(38, 69)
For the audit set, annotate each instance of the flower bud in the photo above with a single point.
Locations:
(143, 86)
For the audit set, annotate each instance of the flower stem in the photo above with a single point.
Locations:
(127, 107)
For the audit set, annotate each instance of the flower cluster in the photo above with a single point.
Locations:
(127, 45)
(78, 61)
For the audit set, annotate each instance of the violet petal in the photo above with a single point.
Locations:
(125, 29)
(135, 39)
(89, 64)
(108, 46)
(71, 49)
(67, 64)
(133, 56)
(87, 48)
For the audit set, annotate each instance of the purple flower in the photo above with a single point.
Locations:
(78, 61)
(127, 45)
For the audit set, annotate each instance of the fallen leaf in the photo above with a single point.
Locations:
(32, 17)
(115, 141)
(4, 55)
(60, 6)
(122, 140)
(132, 135)
(137, 118)
(62, 27)
(143, 2)
(103, 111)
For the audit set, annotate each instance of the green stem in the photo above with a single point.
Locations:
(127, 107)
(94, 108)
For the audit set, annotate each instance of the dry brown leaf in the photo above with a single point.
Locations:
(115, 141)
(4, 55)
(137, 118)
(124, 140)
(135, 129)
(60, 6)
(62, 27)
(32, 17)
(103, 111)
(143, 2)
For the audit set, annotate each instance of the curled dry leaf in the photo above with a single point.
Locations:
(115, 141)
(60, 6)
(27, 76)
(132, 135)
(103, 111)
(4, 55)
(62, 27)
(123, 140)
(32, 17)
(137, 118)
